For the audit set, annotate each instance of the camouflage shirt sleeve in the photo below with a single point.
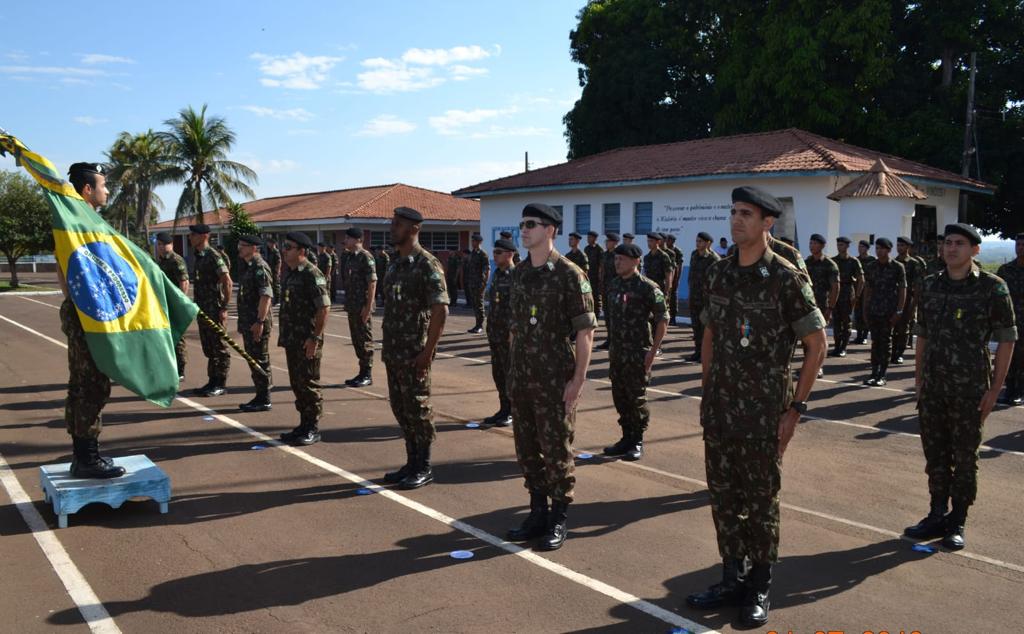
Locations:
(182, 269)
(437, 291)
(371, 268)
(921, 325)
(833, 272)
(902, 275)
(1001, 315)
(797, 306)
(221, 265)
(579, 301)
(322, 297)
(659, 307)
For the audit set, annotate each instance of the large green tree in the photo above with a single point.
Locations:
(138, 164)
(25, 227)
(886, 74)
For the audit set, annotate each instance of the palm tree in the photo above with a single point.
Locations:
(138, 164)
(199, 147)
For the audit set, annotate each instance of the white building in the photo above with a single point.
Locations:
(685, 188)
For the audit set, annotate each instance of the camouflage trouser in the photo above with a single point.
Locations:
(744, 477)
(304, 376)
(260, 350)
(181, 354)
(544, 433)
(362, 338)
(275, 283)
(841, 316)
(696, 307)
(598, 294)
(475, 298)
(218, 359)
(453, 289)
(629, 389)
(409, 395)
(607, 313)
(333, 288)
(88, 388)
(881, 341)
(858, 317)
(1015, 375)
(673, 302)
(901, 332)
(950, 435)
(499, 366)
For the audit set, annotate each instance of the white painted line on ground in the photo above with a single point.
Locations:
(94, 613)
(36, 301)
(26, 293)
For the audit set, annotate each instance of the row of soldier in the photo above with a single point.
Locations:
(758, 303)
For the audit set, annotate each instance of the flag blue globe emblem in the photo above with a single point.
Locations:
(101, 282)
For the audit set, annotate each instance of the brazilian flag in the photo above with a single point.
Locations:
(131, 313)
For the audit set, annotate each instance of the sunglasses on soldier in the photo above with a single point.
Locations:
(532, 224)
(288, 246)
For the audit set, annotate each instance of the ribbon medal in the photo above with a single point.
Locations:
(745, 333)
(533, 315)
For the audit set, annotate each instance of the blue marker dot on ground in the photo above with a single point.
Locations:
(585, 456)
(461, 554)
(365, 491)
(473, 425)
(258, 447)
(923, 548)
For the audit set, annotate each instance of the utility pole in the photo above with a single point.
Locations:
(969, 136)
(526, 161)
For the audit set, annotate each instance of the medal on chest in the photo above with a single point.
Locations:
(745, 333)
(397, 291)
(533, 315)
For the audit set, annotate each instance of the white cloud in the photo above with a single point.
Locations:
(461, 73)
(297, 71)
(99, 58)
(70, 71)
(387, 77)
(89, 120)
(386, 124)
(272, 166)
(290, 114)
(498, 131)
(454, 122)
(445, 56)
(17, 56)
(419, 68)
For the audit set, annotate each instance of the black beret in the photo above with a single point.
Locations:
(506, 235)
(843, 239)
(966, 230)
(164, 238)
(249, 239)
(593, 234)
(670, 237)
(352, 232)
(905, 240)
(817, 237)
(628, 236)
(409, 214)
(654, 235)
(575, 235)
(85, 168)
(544, 212)
(504, 244)
(865, 243)
(614, 237)
(320, 244)
(704, 235)
(883, 242)
(200, 228)
(300, 239)
(629, 250)
(770, 204)
(1020, 236)
(477, 237)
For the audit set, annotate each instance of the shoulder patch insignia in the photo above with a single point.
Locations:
(1002, 290)
(585, 286)
(807, 292)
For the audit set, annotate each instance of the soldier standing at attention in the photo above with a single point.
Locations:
(606, 275)
(851, 284)
(627, 238)
(859, 319)
(360, 289)
(212, 294)
(593, 268)
(903, 332)
(1013, 274)
(273, 259)
(381, 261)
(885, 293)
(677, 260)
(964, 308)
(415, 309)
(323, 262)
(507, 235)
(173, 266)
(658, 267)
(935, 263)
(637, 303)
(88, 388)
(550, 299)
(255, 321)
(499, 318)
(824, 274)
(452, 268)
(576, 256)
(701, 260)
(476, 271)
(303, 316)
(335, 272)
(758, 306)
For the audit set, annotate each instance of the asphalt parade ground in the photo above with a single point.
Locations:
(265, 538)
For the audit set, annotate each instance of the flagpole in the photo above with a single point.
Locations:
(253, 363)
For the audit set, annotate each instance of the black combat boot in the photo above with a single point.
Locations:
(536, 523)
(364, 379)
(394, 477)
(421, 473)
(873, 379)
(883, 368)
(932, 525)
(754, 608)
(201, 391)
(556, 533)
(214, 388)
(308, 434)
(620, 447)
(477, 329)
(727, 592)
(88, 463)
(501, 418)
(955, 521)
(259, 404)
(694, 358)
(635, 449)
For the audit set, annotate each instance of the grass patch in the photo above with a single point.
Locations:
(5, 287)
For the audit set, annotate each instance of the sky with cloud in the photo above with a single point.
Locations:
(439, 94)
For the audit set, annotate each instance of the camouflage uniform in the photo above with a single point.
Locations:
(324, 262)
(858, 310)
(1013, 274)
(958, 319)
(901, 334)
(412, 286)
(934, 264)
(673, 295)
(209, 266)
(823, 273)
(499, 316)
(578, 258)
(88, 388)
(658, 266)
(335, 275)
(274, 263)
(884, 283)
(548, 302)
(474, 278)
(381, 262)
(360, 270)
(850, 274)
(254, 283)
(594, 254)
(173, 266)
(636, 302)
(607, 275)
(791, 254)
(699, 265)
(769, 306)
(305, 293)
(451, 276)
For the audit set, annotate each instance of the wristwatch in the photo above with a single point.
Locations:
(799, 406)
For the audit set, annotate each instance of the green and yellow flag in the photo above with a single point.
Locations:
(131, 313)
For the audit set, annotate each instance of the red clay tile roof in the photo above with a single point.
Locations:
(880, 181)
(350, 204)
(790, 150)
